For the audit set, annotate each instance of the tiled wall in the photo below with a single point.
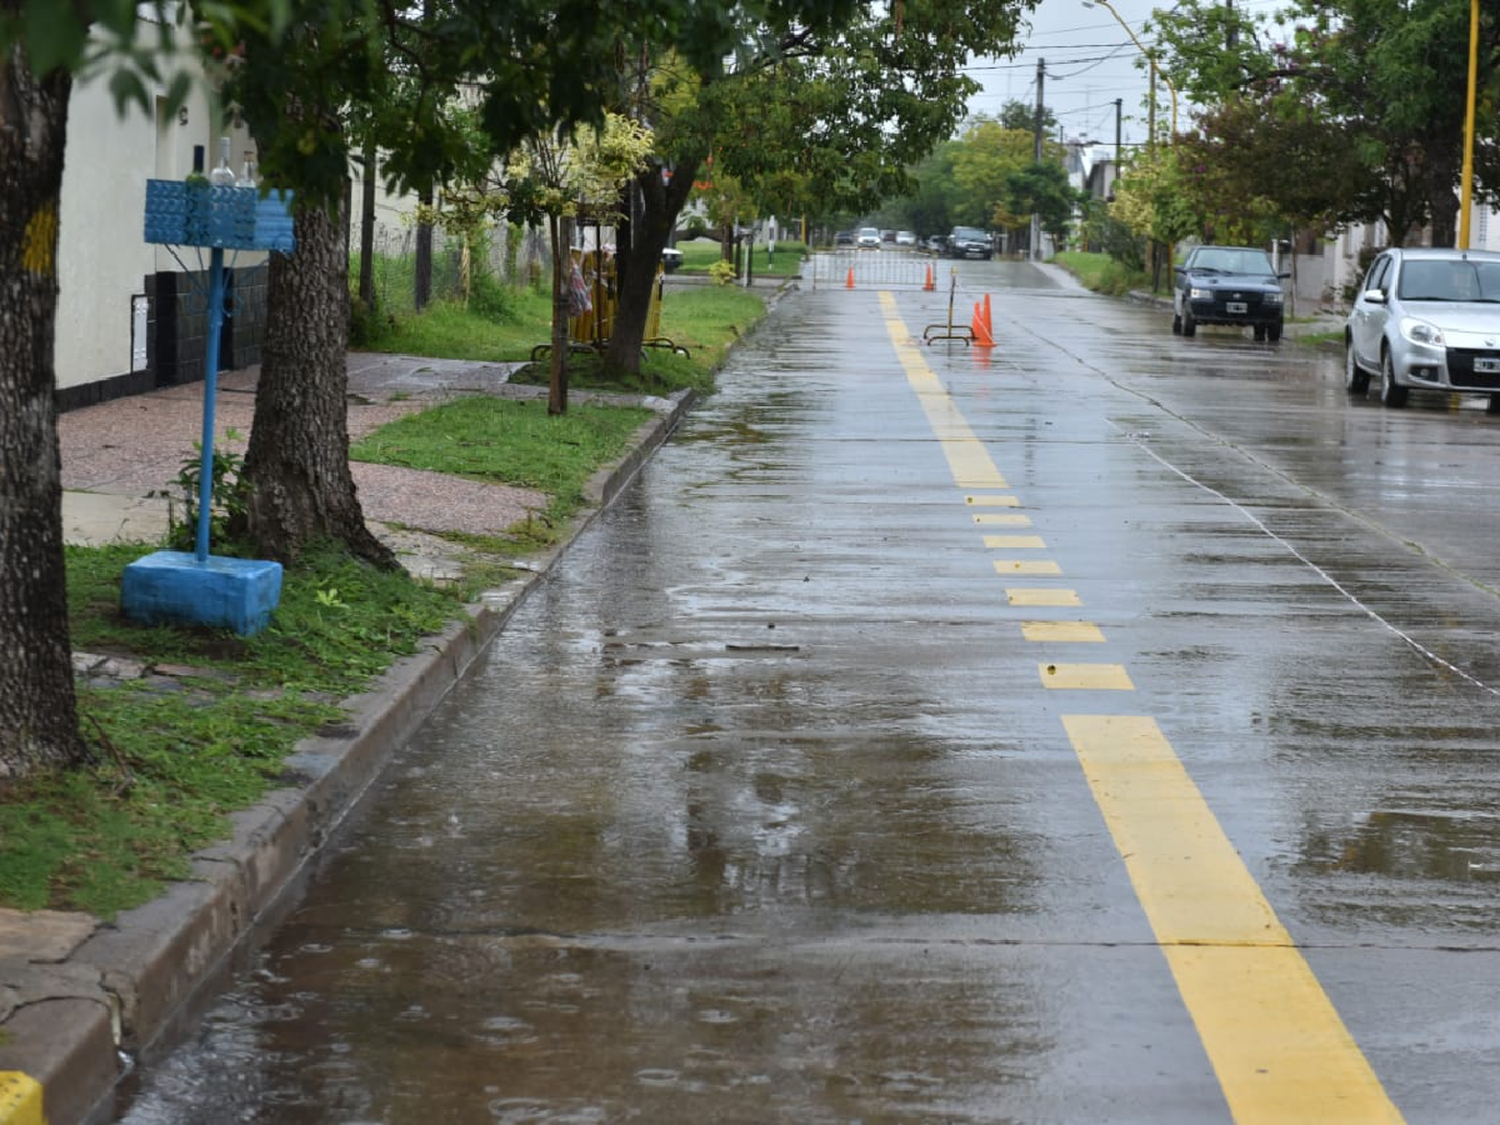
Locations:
(178, 324)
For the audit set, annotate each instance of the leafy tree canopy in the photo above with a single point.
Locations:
(1020, 116)
(830, 119)
(1385, 76)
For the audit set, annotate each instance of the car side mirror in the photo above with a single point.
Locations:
(1283, 276)
(1179, 269)
(1375, 296)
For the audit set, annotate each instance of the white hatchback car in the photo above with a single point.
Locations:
(868, 237)
(1426, 318)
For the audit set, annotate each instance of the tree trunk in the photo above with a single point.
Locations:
(423, 265)
(297, 463)
(1442, 197)
(367, 228)
(38, 707)
(637, 253)
(562, 276)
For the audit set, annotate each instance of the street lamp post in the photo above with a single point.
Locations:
(1151, 138)
(1150, 55)
(1466, 180)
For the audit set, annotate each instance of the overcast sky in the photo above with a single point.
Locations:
(1090, 62)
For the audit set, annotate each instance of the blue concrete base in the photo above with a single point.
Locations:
(174, 588)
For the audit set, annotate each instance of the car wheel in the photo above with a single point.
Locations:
(1176, 324)
(1391, 392)
(1356, 378)
(1260, 331)
(1494, 405)
(1273, 331)
(1189, 325)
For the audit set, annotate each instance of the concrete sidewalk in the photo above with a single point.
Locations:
(79, 998)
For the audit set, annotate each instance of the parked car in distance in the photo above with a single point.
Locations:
(1426, 318)
(868, 237)
(1235, 285)
(937, 243)
(671, 258)
(906, 238)
(969, 242)
(844, 238)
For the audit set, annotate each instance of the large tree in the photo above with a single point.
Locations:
(419, 74)
(42, 45)
(837, 106)
(1386, 77)
(985, 159)
(296, 97)
(38, 715)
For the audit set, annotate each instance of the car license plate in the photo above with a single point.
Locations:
(1237, 307)
(1487, 366)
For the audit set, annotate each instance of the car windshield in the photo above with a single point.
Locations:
(969, 232)
(869, 232)
(1221, 260)
(1449, 279)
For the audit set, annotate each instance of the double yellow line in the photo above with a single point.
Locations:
(1279, 1049)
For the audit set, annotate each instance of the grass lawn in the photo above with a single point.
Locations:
(1102, 273)
(701, 253)
(705, 319)
(175, 755)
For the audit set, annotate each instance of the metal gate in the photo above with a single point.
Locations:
(871, 269)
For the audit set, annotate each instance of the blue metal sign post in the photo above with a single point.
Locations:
(173, 587)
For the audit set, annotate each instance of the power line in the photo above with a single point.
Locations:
(1117, 47)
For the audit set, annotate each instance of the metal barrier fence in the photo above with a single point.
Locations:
(887, 268)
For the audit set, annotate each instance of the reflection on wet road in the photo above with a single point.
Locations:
(769, 806)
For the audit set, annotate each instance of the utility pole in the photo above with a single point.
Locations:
(1119, 147)
(1036, 220)
(1151, 108)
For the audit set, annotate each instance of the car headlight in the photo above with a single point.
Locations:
(1421, 332)
(1272, 298)
(1198, 293)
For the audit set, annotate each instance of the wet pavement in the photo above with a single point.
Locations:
(783, 798)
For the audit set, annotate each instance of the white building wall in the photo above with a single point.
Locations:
(103, 256)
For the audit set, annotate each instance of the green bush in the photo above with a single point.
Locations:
(489, 296)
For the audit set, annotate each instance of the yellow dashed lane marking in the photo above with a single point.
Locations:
(1002, 519)
(20, 1099)
(1041, 595)
(992, 501)
(1086, 677)
(967, 458)
(1067, 632)
(1027, 566)
(1018, 542)
(1279, 1048)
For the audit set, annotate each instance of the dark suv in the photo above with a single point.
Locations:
(969, 242)
(1228, 285)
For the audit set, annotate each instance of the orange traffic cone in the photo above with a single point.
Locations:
(850, 283)
(979, 330)
(989, 325)
(928, 286)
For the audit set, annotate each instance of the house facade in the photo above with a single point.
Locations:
(132, 316)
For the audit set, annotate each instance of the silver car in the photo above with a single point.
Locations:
(1426, 318)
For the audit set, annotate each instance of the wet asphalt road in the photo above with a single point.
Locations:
(1099, 730)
